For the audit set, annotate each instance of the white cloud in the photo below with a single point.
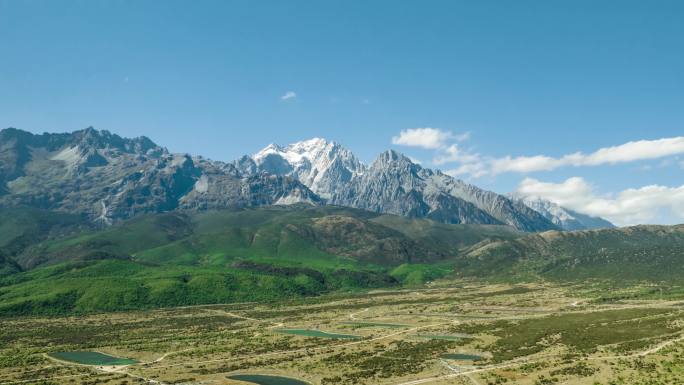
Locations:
(630, 206)
(289, 95)
(627, 152)
(631, 151)
(453, 154)
(462, 137)
(475, 170)
(572, 192)
(449, 155)
(428, 138)
(522, 164)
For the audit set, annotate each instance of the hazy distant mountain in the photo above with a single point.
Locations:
(564, 218)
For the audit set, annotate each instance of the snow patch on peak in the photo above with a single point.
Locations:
(309, 145)
(70, 156)
(317, 163)
(270, 149)
(297, 152)
(202, 184)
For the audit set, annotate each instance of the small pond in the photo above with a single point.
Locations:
(461, 357)
(450, 337)
(262, 379)
(317, 333)
(373, 324)
(91, 358)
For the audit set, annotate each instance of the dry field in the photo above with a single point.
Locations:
(524, 334)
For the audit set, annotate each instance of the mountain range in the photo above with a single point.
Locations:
(107, 178)
(90, 221)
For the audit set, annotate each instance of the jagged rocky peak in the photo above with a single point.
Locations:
(394, 184)
(109, 178)
(319, 164)
(390, 157)
(83, 149)
(397, 170)
(11, 133)
(245, 165)
(103, 139)
(396, 161)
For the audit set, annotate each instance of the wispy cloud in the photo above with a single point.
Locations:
(427, 138)
(448, 155)
(627, 152)
(475, 169)
(454, 153)
(462, 137)
(289, 95)
(623, 153)
(630, 206)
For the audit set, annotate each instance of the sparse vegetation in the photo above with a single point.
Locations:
(531, 327)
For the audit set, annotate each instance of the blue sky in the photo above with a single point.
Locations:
(523, 78)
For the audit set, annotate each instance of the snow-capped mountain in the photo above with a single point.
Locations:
(321, 165)
(391, 184)
(562, 217)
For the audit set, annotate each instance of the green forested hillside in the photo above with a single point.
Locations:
(8, 265)
(648, 253)
(22, 227)
(50, 263)
(325, 235)
(224, 256)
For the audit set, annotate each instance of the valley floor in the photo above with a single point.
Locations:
(524, 334)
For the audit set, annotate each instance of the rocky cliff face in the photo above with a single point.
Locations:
(505, 210)
(395, 185)
(109, 178)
